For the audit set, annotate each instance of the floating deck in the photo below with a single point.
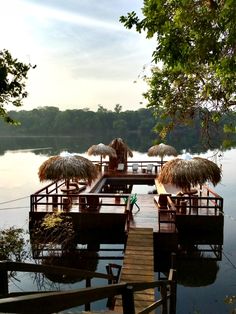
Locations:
(104, 208)
(103, 212)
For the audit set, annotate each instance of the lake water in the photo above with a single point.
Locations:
(19, 179)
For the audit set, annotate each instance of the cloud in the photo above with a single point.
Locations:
(84, 55)
(43, 11)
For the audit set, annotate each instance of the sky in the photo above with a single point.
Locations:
(84, 56)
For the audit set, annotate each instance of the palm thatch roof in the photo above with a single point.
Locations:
(162, 150)
(101, 150)
(67, 167)
(119, 145)
(192, 172)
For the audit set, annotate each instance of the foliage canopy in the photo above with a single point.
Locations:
(13, 75)
(12, 244)
(194, 72)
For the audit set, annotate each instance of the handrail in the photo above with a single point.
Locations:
(49, 185)
(48, 199)
(28, 267)
(212, 192)
(6, 266)
(50, 302)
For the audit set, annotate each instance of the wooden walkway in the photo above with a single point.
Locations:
(138, 266)
(147, 216)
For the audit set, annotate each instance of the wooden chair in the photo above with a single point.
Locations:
(90, 203)
(161, 200)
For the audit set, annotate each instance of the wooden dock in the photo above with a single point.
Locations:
(138, 266)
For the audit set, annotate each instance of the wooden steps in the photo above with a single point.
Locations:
(138, 266)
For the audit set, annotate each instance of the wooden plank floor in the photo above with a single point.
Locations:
(147, 217)
(138, 265)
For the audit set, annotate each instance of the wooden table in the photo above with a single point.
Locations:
(68, 190)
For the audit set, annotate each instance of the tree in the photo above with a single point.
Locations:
(12, 244)
(12, 83)
(194, 72)
(118, 108)
(101, 109)
(120, 126)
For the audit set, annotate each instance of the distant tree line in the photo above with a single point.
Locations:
(107, 124)
(78, 122)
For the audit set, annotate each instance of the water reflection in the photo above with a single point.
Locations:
(82, 259)
(198, 272)
(18, 170)
(54, 145)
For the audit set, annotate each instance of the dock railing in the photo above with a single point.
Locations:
(83, 202)
(142, 166)
(54, 301)
(93, 215)
(204, 201)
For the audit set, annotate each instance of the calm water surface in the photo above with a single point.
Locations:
(19, 179)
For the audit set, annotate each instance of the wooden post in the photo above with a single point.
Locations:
(54, 202)
(3, 282)
(128, 300)
(183, 207)
(163, 291)
(66, 203)
(173, 292)
(173, 260)
(173, 286)
(88, 285)
(82, 203)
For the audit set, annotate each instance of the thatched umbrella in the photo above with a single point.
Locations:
(66, 168)
(162, 150)
(122, 151)
(119, 145)
(185, 173)
(102, 150)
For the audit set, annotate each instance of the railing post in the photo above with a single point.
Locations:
(88, 285)
(173, 292)
(3, 282)
(163, 290)
(173, 285)
(173, 260)
(32, 200)
(128, 300)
